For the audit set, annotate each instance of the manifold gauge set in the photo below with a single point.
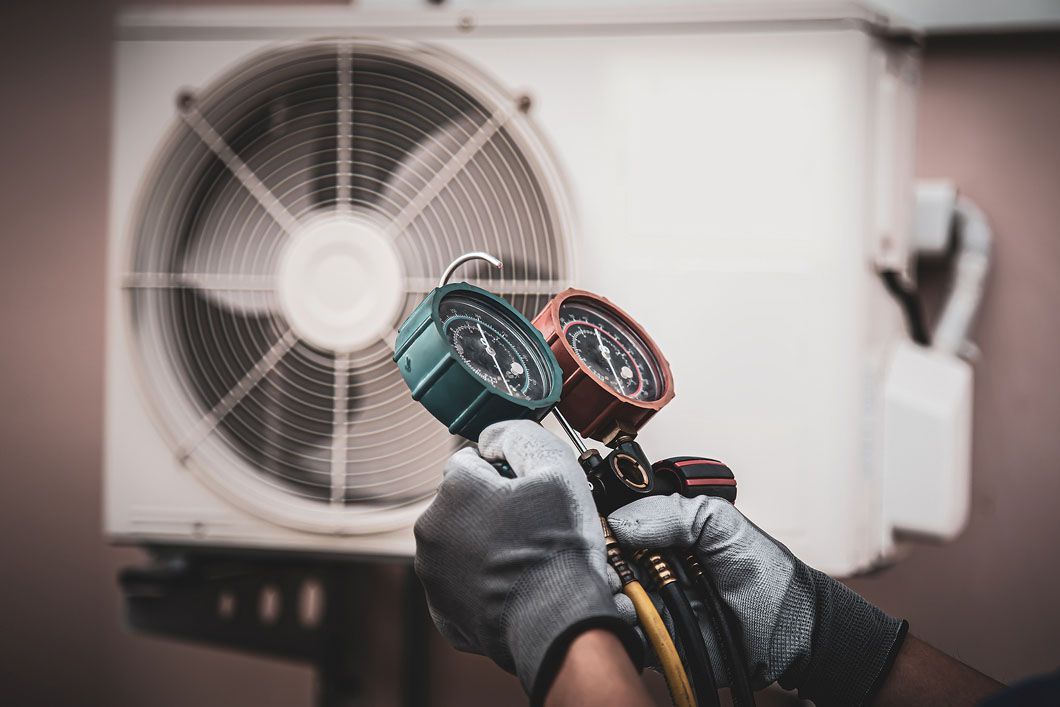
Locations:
(471, 359)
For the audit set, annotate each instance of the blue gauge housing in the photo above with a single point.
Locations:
(448, 387)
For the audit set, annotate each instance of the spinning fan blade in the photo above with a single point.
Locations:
(231, 256)
(283, 425)
(475, 209)
(419, 190)
(223, 345)
(381, 422)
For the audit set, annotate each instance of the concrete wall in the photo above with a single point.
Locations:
(990, 117)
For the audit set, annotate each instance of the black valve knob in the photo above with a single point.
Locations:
(694, 476)
(621, 477)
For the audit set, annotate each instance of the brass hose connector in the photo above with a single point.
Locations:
(657, 567)
(614, 555)
(692, 563)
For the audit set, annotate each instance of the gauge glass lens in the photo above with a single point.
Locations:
(493, 345)
(610, 348)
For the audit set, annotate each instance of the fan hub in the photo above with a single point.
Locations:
(341, 283)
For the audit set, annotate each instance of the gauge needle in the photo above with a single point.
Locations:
(607, 356)
(493, 355)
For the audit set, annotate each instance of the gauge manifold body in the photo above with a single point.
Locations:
(614, 376)
(472, 359)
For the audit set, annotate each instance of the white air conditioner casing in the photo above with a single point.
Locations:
(737, 174)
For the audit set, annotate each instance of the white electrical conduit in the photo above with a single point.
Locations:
(973, 243)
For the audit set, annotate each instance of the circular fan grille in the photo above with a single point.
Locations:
(301, 207)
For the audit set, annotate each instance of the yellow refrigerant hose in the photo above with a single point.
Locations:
(652, 625)
(655, 630)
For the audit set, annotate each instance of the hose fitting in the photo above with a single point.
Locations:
(614, 555)
(657, 567)
(693, 566)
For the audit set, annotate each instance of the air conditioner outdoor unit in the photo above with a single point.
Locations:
(287, 183)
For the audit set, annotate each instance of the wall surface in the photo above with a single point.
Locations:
(990, 120)
(990, 114)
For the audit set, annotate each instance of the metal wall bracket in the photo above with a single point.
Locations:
(302, 609)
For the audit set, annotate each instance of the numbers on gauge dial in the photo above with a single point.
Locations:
(493, 347)
(611, 350)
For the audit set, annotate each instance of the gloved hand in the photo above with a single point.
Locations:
(798, 626)
(514, 569)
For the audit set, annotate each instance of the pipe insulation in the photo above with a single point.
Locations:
(973, 245)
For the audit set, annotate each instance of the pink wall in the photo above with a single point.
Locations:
(990, 119)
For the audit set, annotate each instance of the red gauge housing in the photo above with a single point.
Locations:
(592, 406)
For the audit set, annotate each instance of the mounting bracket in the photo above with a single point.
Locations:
(304, 609)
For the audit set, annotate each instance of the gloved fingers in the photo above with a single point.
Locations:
(527, 447)
(613, 581)
(467, 467)
(468, 479)
(626, 610)
(623, 603)
(672, 521)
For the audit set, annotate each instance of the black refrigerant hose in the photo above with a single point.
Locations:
(909, 299)
(731, 650)
(686, 627)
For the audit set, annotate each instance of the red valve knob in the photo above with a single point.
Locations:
(694, 476)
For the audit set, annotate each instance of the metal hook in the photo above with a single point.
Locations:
(466, 257)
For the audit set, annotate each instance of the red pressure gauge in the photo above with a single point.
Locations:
(614, 376)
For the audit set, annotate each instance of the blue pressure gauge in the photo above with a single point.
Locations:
(472, 359)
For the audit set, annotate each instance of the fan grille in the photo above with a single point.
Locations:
(400, 142)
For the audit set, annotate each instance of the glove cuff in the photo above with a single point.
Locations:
(853, 646)
(550, 605)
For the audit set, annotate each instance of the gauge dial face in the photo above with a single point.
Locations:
(610, 348)
(492, 344)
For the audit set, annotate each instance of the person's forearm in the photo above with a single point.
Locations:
(922, 675)
(596, 672)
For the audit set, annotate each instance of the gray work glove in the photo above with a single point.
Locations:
(514, 569)
(797, 626)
